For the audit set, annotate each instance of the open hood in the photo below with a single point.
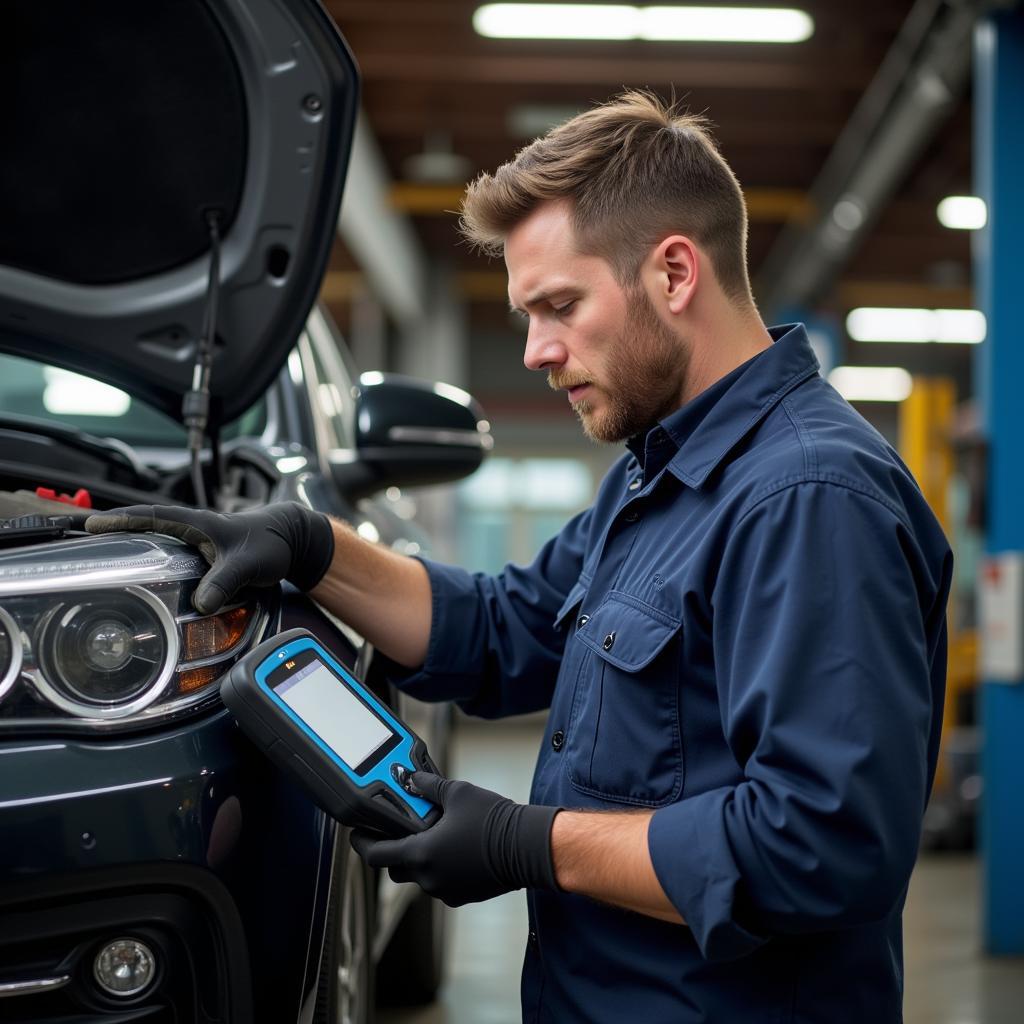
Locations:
(125, 127)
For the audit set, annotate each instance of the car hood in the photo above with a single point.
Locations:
(125, 125)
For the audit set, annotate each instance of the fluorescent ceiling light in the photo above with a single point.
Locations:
(968, 213)
(556, 21)
(953, 326)
(960, 326)
(726, 24)
(871, 383)
(663, 24)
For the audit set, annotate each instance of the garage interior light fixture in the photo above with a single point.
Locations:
(872, 383)
(966, 213)
(949, 326)
(678, 23)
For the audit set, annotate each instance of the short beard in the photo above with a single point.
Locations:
(646, 373)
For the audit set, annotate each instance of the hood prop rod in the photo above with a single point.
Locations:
(195, 407)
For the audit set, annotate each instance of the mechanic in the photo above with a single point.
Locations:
(742, 642)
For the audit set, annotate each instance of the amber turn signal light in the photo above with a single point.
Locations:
(214, 634)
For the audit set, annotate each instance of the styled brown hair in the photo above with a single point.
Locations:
(636, 170)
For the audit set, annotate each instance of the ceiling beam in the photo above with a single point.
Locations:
(414, 122)
(903, 295)
(438, 68)
(341, 286)
(772, 205)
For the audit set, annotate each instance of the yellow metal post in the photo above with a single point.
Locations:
(925, 421)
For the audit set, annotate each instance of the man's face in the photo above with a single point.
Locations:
(622, 367)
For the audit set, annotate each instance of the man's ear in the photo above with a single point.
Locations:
(674, 265)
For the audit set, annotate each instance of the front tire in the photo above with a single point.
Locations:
(412, 968)
(345, 988)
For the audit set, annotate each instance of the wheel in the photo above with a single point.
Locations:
(412, 968)
(345, 988)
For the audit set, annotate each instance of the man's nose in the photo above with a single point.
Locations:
(544, 351)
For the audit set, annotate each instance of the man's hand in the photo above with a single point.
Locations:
(259, 547)
(483, 845)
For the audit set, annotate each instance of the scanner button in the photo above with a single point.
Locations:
(403, 777)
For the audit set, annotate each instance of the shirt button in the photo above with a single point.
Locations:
(531, 939)
(557, 740)
(634, 485)
(609, 640)
(582, 621)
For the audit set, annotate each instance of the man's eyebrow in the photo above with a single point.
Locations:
(539, 297)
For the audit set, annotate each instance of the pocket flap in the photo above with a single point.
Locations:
(627, 632)
(572, 600)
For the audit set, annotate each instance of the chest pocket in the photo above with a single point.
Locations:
(623, 740)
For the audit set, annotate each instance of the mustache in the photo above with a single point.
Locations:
(557, 381)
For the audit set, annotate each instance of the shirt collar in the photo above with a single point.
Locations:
(707, 428)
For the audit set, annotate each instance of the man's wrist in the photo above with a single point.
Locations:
(605, 855)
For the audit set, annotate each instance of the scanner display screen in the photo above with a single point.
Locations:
(351, 729)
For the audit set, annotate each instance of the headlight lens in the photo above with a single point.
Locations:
(107, 655)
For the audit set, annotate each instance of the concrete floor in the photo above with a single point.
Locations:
(947, 981)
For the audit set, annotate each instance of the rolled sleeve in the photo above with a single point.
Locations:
(828, 645)
(689, 848)
(493, 644)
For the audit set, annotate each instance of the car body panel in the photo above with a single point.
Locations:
(199, 795)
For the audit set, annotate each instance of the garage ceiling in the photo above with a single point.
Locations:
(431, 82)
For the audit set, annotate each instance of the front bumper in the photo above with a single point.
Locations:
(186, 839)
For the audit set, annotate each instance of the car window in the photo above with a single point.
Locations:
(330, 382)
(29, 388)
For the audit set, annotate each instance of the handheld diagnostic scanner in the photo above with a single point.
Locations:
(314, 719)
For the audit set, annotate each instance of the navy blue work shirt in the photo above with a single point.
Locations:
(746, 634)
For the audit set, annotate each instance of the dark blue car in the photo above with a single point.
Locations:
(169, 191)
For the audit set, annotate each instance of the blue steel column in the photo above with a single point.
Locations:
(999, 159)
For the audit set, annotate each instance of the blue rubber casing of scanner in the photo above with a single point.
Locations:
(374, 800)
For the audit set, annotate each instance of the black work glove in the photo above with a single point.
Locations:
(258, 547)
(482, 846)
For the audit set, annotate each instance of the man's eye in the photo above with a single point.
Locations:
(563, 310)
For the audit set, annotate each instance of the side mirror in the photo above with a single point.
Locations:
(410, 433)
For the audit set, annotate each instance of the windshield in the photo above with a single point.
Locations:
(28, 388)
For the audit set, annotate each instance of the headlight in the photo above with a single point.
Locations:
(104, 635)
(106, 655)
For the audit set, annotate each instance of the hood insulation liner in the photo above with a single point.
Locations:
(118, 141)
